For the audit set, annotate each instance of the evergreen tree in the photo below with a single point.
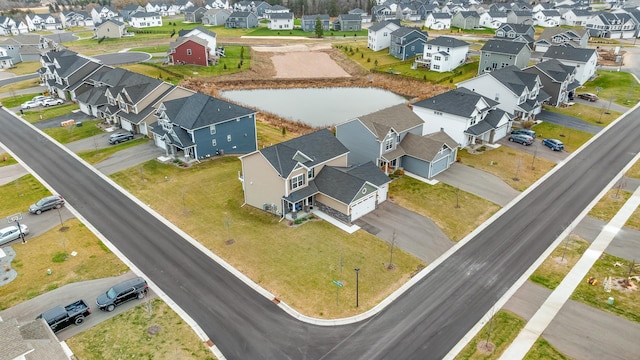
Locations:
(319, 31)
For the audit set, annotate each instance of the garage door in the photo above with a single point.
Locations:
(501, 132)
(382, 193)
(363, 206)
(440, 166)
(160, 142)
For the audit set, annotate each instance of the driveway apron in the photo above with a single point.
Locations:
(479, 183)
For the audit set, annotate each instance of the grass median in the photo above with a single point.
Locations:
(296, 263)
(494, 338)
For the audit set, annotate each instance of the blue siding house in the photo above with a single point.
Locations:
(308, 22)
(200, 126)
(407, 42)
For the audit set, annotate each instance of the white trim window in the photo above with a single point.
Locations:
(296, 181)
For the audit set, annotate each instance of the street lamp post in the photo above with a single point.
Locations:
(357, 285)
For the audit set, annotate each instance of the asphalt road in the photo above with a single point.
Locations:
(123, 58)
(428, 319)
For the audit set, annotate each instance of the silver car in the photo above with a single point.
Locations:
(11, 233)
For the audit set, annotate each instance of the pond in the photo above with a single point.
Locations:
(318, 107)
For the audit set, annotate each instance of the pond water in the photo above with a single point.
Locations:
(317, 107)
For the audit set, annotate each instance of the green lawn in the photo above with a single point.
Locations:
(619, 86)
(554, 268)
(594, 115)
(25, 68)
(499, 332)
(6, 159)
(571, 138)
(67, 134)
(543, 350)
(20, 85)
(152, 49)
(34, 116)
(17, 100)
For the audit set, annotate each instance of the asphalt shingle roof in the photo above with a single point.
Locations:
(555, 69)
(200, 110)
(428, 146)
(461, 102)
(569, 53)
(398, 117)
(503, 46)
(447, 41)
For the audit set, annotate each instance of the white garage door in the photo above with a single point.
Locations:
(160, 142)
(501, 132)
(382, 193)
(363, 206)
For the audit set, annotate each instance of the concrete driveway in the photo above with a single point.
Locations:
(479, 183)
(414, 233)
(568, 121)
(87, 290)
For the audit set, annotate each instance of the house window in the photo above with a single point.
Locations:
(214, 143)
(436, 67)
(311, 173)
(297, 181)
(212, 130)
(437, 58)
(388, 144)
(438, 113)
(188, 51)
(228, 138)
(497, 98)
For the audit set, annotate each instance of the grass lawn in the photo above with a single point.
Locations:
(610, 204)
(634, 172)
(499, 332)
(559, 263)
(590, 114)
(20, 193)
(626, 302)
(6, 160)
(438, 202)
(132, 333)
(297, 264)
(33, 116)
(269, 135)
(543, 350)
(505, 163)
(67, 134)
(17, 100)
(571, 138)
(20, 85)
(95, 156)
(619, 86)
(152, 49)
(25, 68)
(50, 251)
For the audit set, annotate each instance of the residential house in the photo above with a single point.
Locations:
(348, 22)
(75, 18)
(256, 7)
(218, 4)
(241, 20)
(517, 92)
(145, 19)
(275, 9)
(520, 17)
(466, 20)
(560, 36)
(497, 54)
(205, 34)
(408, 11)
(407, 42)
(110, 29)
(6, 61)
(547, 18)
(7, 25)
(67, 71)
(25, 47)
(584, 60)
(183, 5)
(366, 18)
(311, 173)
(30, 339)
(194, 14)
(558, 80)
(128, 10)
(516, 32)
(612, 25)
(39, 22)
(438, 21)
(467, 117)
(164, 9)
(280, 21)
(102, 13)
(576, 17)
(215, 17)
(200, 126)
(189, 50)
(308, 22)
(444, 54)
(493, 19)
(521, 5)
(380, 13)
(392, 139)
(542, 6)
(379, 34)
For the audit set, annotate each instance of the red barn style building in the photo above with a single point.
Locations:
(189, 50)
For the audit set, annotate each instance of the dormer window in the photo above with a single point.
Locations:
(297, 181)
(388, 144)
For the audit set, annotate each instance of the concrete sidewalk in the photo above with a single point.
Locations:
(555, 302)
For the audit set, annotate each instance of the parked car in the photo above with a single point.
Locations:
(553, 144)
(521, 139)
(135, 288)
(525, 132)
(120, 137)
(60, 317)
(40, 98)
(47, 203)
(588, 96)
(52, 102)
(31, 104)
(12, 232)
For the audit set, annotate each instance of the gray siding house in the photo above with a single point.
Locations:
(348, 22)
(215, 17)
(558, 80)
(498, 54)
(407, 42)
(241, 20)
(466, 20)
(308, 22)
(194, 14)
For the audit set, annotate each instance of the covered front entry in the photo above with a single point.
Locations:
(363, 206)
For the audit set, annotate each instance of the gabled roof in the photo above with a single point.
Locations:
(323, 17)
(382, 24)
(342, 185)
(442, 15)
(428, 146)
(200, 110)
(468, 14)
(116, 22)
(288, 16)
(319, 146)
(522, 12)
(514, 79)
(554, 69)
(403, 31)
(140, 14)
(354, 17)
(503, 46)
(202, 29)
(460, 102)
(569, 53)
(447, 41)
(400, 118)
(550, 12)
(518, 28)
(181, 40)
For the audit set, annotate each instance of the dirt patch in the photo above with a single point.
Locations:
(306, 64)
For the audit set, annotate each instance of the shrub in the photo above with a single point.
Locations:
(527, 124)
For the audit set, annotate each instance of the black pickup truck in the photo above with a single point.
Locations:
(60, 317)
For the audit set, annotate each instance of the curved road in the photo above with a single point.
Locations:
(425, 322)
